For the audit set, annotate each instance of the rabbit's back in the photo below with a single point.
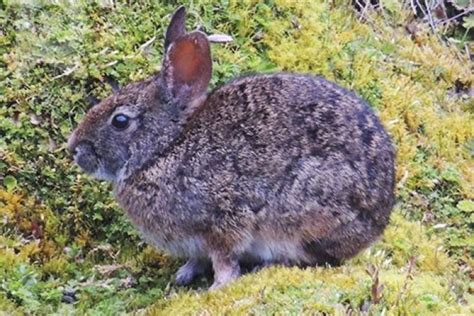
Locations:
(282, 133)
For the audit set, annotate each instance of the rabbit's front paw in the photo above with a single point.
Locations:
(193, 268)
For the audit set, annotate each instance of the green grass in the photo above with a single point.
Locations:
(63, 238)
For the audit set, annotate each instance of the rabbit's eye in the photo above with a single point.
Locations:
(120, 121)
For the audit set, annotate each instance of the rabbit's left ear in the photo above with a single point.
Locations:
(177, 27)
(187, 67)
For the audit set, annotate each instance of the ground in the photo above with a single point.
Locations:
(66, 247)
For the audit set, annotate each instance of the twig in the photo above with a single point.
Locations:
(368, 19)
(403, 179)
(413, 7)
(219, 38)
(67, 72)
(409, 276)
(364, 9)
(457, 16)
(427, 13)
(376, 289)
(112, 63)
(147, 43)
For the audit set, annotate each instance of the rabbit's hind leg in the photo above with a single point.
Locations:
(252, 266)
(193, 268)
(344, 242)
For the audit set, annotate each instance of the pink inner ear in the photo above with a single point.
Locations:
(185, 59)
(190, 61)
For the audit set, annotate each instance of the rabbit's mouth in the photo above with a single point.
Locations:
(90, 162)
(85, 157)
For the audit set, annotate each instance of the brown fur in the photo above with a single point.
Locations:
(277, 168)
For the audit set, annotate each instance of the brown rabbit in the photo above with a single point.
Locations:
(275, 168)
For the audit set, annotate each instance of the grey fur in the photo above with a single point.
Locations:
(276, 168)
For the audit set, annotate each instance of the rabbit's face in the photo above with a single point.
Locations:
(102, 142)
(129, 128)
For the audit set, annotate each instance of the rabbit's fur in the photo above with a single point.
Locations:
(277, 168)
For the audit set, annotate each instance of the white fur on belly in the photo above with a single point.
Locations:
(190, 247)
(281, 251)
(256, 249)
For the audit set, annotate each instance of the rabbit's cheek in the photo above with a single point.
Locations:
(111, 163)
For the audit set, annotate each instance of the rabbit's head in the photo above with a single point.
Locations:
(143, 119)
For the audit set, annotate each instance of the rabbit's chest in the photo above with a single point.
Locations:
(160, 219)
(165, 234)
(178, 245)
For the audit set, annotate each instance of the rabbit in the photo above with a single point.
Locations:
(279, 168)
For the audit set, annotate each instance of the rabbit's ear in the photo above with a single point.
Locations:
(187, 67)
(177, 27)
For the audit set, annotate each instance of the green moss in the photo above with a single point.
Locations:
(416, 274)
(62, 231)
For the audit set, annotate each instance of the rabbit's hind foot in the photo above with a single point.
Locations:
(226, 269)
(193, 268)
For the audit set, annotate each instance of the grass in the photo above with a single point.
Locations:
(65, 246)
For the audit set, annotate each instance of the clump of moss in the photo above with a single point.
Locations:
(35, 224)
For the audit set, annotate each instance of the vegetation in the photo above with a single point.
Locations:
(65, 246)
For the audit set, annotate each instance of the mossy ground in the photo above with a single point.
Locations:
(63, 240)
